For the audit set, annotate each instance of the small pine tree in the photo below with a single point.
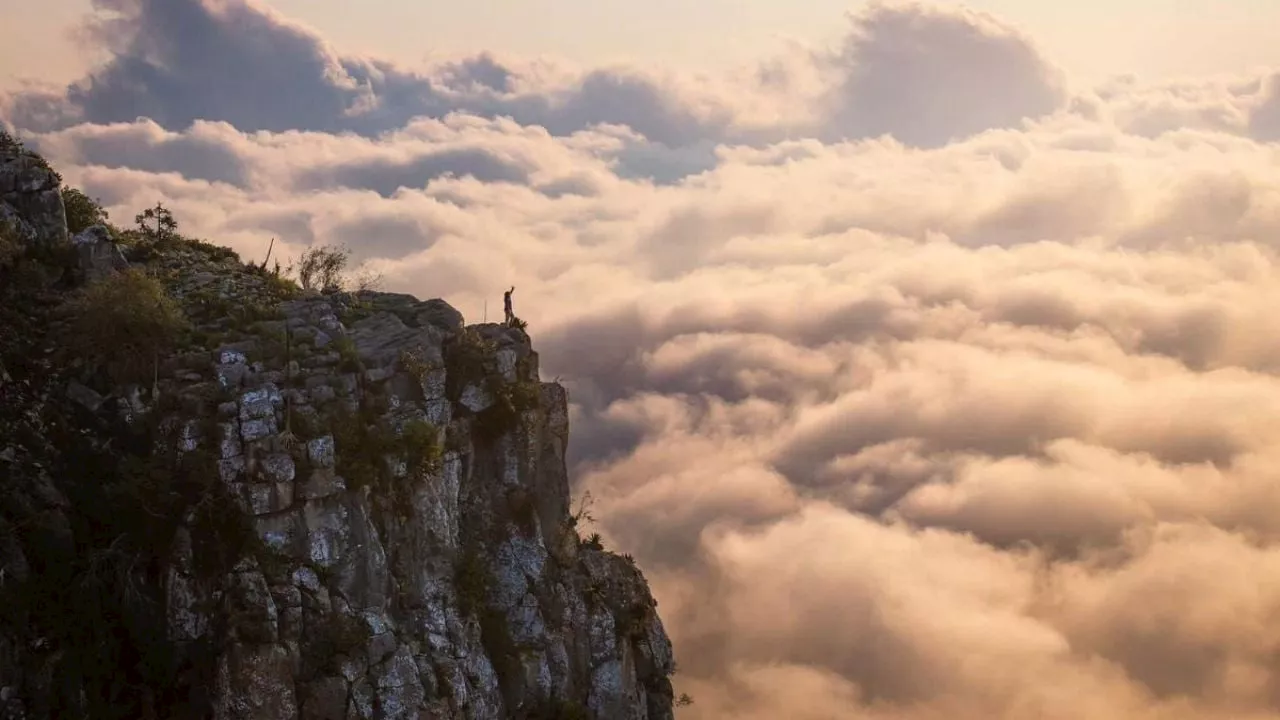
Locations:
(157, 224)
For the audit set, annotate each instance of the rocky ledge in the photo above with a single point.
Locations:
(325, 506)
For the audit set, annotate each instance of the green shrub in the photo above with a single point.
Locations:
(367, 446)
(124, 323)
(136, 246)
(509, 403)
(214, 252)
(361, 444)
(420, 444)
(322, 267)
(413, 363)
(156, 233)
(348, 356)
(82, 210)
(469, 359)
(280, 287)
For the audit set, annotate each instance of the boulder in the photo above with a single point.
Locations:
(97, 256)
(33, 193)
(441, 314)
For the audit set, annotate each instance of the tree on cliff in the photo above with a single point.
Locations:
(157, 224)
(82, 211)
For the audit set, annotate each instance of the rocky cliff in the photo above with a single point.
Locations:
(225, 497)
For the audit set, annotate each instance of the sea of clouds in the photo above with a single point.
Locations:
(921, 382)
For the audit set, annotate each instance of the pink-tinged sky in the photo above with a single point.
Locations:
(925, 374)
(1090, 38)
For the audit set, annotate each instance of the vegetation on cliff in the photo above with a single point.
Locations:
(226, 492)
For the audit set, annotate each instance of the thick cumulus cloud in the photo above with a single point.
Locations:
(922, 74)
(207, 152)
(964, 405)
(180, 61)
(927, 77)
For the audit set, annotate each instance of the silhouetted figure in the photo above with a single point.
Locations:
(506, 305)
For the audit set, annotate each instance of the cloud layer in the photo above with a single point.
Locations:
(922, 384)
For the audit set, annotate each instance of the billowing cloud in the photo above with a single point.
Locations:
(928, 77)
(922, 74)
(920, 386)
(207, 152)
(242, 63)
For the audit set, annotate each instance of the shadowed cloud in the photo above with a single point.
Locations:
(927, 76)
(387, 175)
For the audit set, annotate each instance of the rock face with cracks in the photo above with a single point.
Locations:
(347, 507)
(31, 199)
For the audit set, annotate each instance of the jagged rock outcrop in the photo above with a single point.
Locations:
(31, 200)
(97, 256)
(318, 507)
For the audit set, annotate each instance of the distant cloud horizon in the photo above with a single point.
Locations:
(922, 380)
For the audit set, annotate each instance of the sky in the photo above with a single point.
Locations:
(925, 362)
(1090, 38)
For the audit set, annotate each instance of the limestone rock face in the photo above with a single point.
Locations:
(402, 587)
(32, 193)
(368, 518)
(96, 254)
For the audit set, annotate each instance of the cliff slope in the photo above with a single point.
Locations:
(224, 497)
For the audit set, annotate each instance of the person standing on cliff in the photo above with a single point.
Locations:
(506, 305)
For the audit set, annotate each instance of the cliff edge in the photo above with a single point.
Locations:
(225, 497)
